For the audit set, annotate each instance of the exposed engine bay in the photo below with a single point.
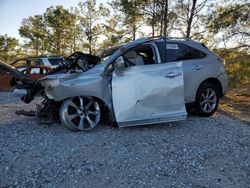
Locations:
(76, 62)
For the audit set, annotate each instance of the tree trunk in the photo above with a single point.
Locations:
(153, 20)
(74, 40)
(134, 31)
(190, 19)
(90, 48)
(161, 26)
(165, 18)
(5, 55)
(153, 28)
(90, 43)
(37, 46)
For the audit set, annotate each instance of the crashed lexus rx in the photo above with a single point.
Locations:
(147, 81)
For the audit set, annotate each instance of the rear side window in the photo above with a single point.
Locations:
(177, 52)
(35, 71)
(54, 61)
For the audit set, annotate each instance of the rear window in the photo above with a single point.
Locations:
(54, 61)
(178, 52)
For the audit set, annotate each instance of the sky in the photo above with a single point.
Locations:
(12, 12)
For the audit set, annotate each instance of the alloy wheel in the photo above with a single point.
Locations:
(208, 100)
(80, 113)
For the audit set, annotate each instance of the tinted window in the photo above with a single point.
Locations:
(54, 61)
(187, 52)
(178, 51)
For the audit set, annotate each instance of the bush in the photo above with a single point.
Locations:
(237, 66)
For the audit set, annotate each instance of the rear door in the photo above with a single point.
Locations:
(193, 63)
(148, 94)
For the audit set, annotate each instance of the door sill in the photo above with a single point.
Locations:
(178, 117)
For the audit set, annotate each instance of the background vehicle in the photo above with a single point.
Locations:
(52, 61)
(35, 68)
(34, 72)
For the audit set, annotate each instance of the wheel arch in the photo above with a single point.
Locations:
(105, 108)
(214, 81)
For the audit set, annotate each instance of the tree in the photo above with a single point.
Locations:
(114, 33)
(149, 9)
(233, 23)
(89, 16)
(59, 26)
(165, 18)
(160, 16)
(189, 13)
(32, 29)
(52, 32)
(132, 14)
(8, 46)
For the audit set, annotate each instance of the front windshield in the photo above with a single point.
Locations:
(105, 54)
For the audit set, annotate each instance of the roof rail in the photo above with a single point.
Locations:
(167, 38)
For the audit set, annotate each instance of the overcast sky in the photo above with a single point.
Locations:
(13, 11)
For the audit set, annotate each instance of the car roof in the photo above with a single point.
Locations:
(35, 66)
(36, 58)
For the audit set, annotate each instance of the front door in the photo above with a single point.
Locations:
(147, 94)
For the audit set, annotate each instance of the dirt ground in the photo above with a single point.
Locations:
(236, 105)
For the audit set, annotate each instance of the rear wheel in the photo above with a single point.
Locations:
(207, 99)
(80, 113)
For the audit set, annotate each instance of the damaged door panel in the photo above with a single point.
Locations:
(149, 94)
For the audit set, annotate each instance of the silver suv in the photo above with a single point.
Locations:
(149, 80)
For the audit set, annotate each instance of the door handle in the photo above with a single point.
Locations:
(172, 74)
(197, 67)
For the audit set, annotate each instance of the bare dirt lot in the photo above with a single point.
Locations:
(197, 152)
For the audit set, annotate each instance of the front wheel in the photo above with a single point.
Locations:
(207, 99)
(80, 113)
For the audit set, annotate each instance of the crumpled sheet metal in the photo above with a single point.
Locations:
(144, 94)
(78, 84)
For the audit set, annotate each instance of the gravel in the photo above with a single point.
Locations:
(197, 152)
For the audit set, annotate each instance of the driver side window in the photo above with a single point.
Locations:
(142, 55)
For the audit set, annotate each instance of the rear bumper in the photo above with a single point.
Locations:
(223, 78)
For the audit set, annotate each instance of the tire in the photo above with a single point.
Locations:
(80, 113)
(207, 99)
(191, 109)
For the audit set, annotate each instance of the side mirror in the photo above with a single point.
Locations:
(119, 66)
